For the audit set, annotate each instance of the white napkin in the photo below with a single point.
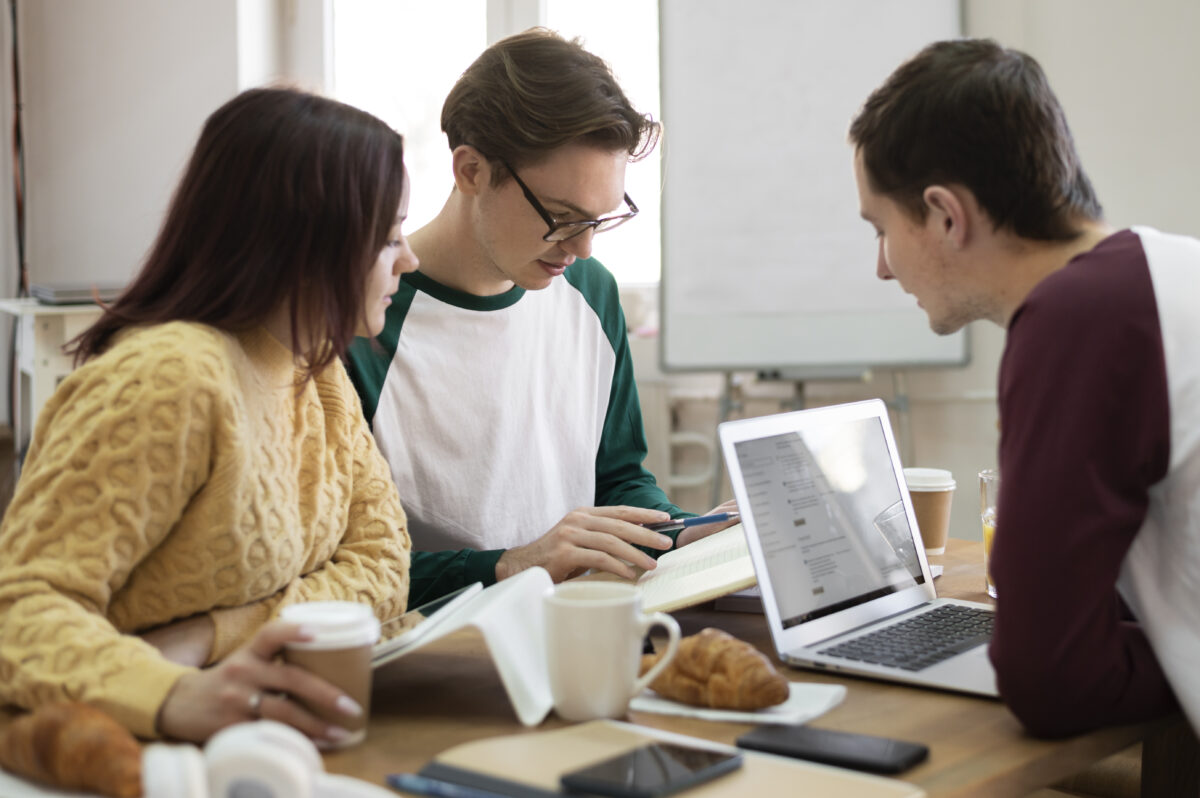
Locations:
(12, 786)
(805, 701)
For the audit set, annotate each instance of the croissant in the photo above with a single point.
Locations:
(73, 746)
(715, 669)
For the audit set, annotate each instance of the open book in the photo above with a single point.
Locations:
(699, 572)
(508, 614)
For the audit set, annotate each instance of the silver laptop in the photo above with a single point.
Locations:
(845, 583)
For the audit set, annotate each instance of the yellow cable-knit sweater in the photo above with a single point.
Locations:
(182, 472)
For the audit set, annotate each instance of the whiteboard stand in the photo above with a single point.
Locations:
(731, 400)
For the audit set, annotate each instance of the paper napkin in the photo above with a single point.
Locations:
(805, 701)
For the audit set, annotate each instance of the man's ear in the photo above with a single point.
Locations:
(472, 171)
(948, 211)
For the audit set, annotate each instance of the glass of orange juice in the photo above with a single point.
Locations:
(989, 496)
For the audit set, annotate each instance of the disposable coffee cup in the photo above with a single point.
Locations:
(931, 491)
(344, 632)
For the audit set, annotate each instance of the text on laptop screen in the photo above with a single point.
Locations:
(827, 508)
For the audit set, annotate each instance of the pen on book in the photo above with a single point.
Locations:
(683, 523)
(422, 785)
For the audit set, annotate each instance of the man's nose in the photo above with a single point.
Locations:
(581, 245)
(881, 268)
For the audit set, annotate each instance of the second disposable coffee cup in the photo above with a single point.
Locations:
(931, 490)
(344, 633)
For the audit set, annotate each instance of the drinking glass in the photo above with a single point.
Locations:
(989, 498)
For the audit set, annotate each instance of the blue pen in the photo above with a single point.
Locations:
(421, 785)
(683, 523)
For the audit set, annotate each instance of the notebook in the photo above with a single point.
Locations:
(838, 554)
(529, 765)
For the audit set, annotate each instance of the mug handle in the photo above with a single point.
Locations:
(672, 627)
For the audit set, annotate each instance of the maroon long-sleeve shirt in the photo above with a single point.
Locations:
(1084, 434)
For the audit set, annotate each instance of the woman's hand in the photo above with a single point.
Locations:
(187, 642)
(250, 684)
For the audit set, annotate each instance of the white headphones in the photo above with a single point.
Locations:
(262, 759)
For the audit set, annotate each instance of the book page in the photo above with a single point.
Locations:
(709, 567)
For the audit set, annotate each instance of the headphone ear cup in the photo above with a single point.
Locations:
(173, 771)
(263, 759)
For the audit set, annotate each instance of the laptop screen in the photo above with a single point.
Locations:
(828, 512)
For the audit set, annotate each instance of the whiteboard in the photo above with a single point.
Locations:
(766, 262)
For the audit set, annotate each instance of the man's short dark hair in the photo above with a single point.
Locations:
(533, 92)
(971, 112)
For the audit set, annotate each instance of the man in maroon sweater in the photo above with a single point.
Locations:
(969, 175)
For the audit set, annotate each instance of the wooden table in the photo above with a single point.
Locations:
(449, 693)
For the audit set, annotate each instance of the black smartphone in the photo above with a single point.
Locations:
(674, 525)
(844, 749)
(652, 770)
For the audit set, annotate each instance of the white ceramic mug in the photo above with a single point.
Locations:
(594, 634)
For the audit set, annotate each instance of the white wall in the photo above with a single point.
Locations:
(115, 93)
(1125, 73)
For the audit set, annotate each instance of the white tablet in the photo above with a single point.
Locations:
(402, 633)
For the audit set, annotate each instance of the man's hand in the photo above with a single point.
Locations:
(600, 538)
(693, 533)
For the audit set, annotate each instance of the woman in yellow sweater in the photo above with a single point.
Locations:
(208, 462)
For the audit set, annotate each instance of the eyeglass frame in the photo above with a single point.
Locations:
(583, 225)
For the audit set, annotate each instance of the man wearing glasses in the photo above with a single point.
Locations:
(501, 390)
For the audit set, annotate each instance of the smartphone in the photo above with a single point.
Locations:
(652, 770)
(844, 749)
(402, 632)
(674, 525)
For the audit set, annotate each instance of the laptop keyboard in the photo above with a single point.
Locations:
(920, 642)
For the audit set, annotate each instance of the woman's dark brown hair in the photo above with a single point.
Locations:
(288, 197)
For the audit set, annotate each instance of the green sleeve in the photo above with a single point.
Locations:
(435, 573)
(620, 476)
(368, 359)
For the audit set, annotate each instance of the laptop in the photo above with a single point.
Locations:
(842, 570)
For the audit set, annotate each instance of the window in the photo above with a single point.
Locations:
(625, 34)
(398, 59)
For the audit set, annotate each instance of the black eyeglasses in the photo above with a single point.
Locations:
(561, 231)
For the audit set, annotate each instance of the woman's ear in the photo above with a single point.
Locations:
(948, 212)
(472, 171)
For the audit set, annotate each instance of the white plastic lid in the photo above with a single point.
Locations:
(334, 624)
(929, 479)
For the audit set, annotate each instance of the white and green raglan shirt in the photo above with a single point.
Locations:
(499, 415)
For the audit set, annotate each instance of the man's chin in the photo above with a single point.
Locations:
(536, 283)
(947, 326)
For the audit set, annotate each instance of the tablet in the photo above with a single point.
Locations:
(402, 633)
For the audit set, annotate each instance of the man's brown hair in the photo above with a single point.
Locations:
(971, 112)
(535, 91)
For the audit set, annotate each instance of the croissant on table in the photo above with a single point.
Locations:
(73, 746)
(715, 669)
